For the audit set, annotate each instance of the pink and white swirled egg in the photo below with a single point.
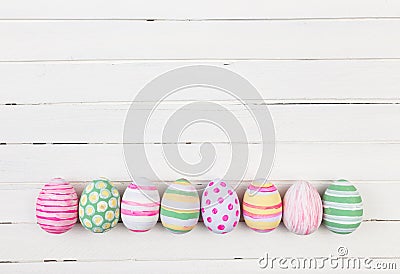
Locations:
(140, 206)
(220, 207)
(302, 208)
(57, 207)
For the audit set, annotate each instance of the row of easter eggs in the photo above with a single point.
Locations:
(99, 207)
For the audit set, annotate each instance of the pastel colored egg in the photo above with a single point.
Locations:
(99, 206)
(302, 208)
(180, 207)
(57, 207)
(262, 206)
(140, 206)
(343, 208)
(220, 207)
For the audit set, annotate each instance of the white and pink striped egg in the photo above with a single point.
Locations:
(302, 208)
(220, 207)
(57, 207)
(140, 206)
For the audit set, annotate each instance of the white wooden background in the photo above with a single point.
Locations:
(329, 70)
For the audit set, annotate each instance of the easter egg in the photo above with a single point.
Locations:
(262, 206)
(302, 208)
(57, 207)
(343, 208)
(140, 206)
(220, 207)
(180, 207)
(99, 206)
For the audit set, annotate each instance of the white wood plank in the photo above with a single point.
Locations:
(33, 163)
(379, 198)
(276, 81)
(206, 9)
(122, 244)
(104, 123)
(91, 40)
(73, 63)
(173, 267)
(128, 267)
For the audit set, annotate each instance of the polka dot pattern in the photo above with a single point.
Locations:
(220, 207)
(99, 206)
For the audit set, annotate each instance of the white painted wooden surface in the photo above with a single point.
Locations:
(329, 73)
(279, 81)
(207, 9)
(138, 40)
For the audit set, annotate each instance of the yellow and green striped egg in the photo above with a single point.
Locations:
(180, 207)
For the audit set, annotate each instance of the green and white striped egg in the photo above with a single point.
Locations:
(343, 208)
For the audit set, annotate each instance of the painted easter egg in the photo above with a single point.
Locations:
(140, 206)
(262, 206)
(99, 206)
(302, 208)
(343, 208)
(180, 207)
(57, 207)
(220, 207)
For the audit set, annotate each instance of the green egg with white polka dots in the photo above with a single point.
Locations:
(99, 206)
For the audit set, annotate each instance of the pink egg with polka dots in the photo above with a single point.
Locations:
(220, 207)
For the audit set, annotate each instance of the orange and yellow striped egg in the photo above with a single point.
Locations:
(262, 206)
(180, 207)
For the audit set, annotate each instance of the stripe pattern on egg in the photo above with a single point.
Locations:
(343, 207)
(140, 206)
(262, 206)
(302, 208)
(180, 207)
(57, 207)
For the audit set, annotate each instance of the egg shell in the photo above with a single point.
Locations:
(180, 207)
(343, 207)
(302, 208)
(57, 207)
(262, 206)
(99, 206)
(220, 207)
(140, 206)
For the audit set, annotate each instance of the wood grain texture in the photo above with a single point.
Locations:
(198, 244)
(206, 9)
(278, 81)
(32, 163)
(93, 40)
(172, 266)
(104, 123)
(129, 266)
(69, 70)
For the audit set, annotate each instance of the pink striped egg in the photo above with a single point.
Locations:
(57, 207)
(302, 208)
(140, 206)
